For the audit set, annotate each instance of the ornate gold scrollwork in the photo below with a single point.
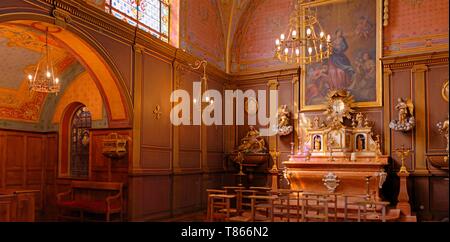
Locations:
(61, 18)
(386, 13)
(444, 91)
(157, 112)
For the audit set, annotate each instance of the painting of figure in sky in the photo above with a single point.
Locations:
(352, 64)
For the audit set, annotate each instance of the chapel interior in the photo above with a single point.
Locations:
(90, 89)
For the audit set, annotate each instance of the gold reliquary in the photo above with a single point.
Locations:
(115, 145)
(343, 132)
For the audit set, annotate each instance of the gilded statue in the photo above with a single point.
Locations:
(378, 146)
(359, 120)
(316, 123)
(406, 119)
(402, 108)
(360, 143)
(283, 116)
(317, 143)
(283, 121)
(252, 142)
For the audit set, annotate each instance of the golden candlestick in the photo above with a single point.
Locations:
(403, 153)
(274, 154)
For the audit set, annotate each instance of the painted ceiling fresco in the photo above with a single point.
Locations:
(21, 47)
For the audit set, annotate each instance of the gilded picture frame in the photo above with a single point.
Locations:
(376, 92)
(444, 91)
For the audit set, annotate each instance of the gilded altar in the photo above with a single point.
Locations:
(340, 153)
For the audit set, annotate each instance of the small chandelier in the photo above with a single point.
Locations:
(306, 41)
(44, 79)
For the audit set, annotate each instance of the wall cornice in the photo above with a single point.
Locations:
(244, 78)
(407, 61)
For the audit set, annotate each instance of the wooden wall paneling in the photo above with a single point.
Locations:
(2, 159)
(286, 97)
(419, 190)
(439, 194)
(15, 168)
(34, 165)
(401, 87)
(214, 140)
(190, 137)
(435, 111)
(215, 161)
(149, 197)
(187, 190)
(230, 131)
(156, 90)
(50, 173)
(156, 129)
(387, 103)
(423, 75)
(419, 73)
(137, 106)
(119, 51)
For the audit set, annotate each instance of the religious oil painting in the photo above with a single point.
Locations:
(354, 64)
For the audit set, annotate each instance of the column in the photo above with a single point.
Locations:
(137, 106)
(419, 74)
(273, 144)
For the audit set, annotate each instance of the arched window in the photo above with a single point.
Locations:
(151, 16)
(79, 143)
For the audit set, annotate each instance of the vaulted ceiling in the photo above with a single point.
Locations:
(21, 47)
(234, 14)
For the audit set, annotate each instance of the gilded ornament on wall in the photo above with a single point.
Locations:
(115, 145)
(406, 120)
(284, 120)
(444, 92)
(338, 106)
(252, 143)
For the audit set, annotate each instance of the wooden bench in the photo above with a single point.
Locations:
(91, 198)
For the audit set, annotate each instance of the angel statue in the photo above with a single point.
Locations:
(283, 120)
(406, 119)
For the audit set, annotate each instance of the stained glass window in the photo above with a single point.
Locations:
(79, 143)
(151, 16)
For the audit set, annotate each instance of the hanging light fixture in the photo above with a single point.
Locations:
(44, 79)
(306, 41)
(204, 79)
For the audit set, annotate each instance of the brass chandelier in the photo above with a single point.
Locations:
(306, 41)
(44, 79)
